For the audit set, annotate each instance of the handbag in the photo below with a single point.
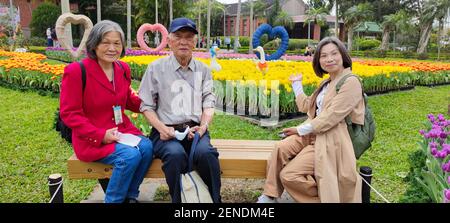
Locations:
(193, 189)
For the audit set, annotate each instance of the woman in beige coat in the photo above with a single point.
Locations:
(316, 161)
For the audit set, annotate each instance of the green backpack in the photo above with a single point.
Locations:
(361, 135)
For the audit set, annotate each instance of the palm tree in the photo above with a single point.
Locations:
(208, 26)
(284, 19)
(353, 17)
(236, 29)
(428, 11)
(170, 10)
(441, 14)
(391, 23)
(316, 15)
(250, 47)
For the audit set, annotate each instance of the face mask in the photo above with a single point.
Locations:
(181, 135)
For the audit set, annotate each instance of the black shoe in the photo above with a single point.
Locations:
(130, 201)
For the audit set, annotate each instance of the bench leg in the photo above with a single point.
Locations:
(104, 183)
(366, 173)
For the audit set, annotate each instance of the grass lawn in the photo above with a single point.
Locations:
(30, 149)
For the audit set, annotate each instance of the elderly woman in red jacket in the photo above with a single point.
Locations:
(101, 131)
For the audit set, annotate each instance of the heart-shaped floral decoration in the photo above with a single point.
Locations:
(153, 28)
(278, 31)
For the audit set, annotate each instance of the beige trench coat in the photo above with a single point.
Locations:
(335, 163)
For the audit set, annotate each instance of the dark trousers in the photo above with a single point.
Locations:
(174, 155)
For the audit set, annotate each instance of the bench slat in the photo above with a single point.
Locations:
(238, 159)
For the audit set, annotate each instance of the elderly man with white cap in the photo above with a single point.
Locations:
(178, 102)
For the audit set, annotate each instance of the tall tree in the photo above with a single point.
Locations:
(317, 14)
(208, 26)
(440, 16)
(236, 30)
(391, 23)
(426, 11)
(250, 47)
(171, 10)
(276, 9)
(284, 19)
(353, 17)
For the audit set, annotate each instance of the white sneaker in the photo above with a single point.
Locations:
(266, 199)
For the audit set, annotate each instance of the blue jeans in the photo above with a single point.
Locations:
(50, 42)
(130, 166)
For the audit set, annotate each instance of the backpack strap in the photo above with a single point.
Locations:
(341, 82)
(121, 66)
(83, 75)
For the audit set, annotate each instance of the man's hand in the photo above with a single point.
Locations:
(290, 131)
(200, 129)
(167, 133)
(110, 136)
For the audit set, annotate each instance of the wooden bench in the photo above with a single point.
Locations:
(238, 159)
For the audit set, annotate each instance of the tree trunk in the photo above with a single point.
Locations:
(440, 28)
(170, 11)
(425, 33)
(336, 24)
(236, 30)
(199, 25)
(350, 39)
(385, 40)
(65, 7)
(208, 25)
(250, 47)
(99, 11)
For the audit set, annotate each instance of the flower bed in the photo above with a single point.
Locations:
(26, 70)
(435, 176)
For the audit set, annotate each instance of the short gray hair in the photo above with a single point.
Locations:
(97, 34)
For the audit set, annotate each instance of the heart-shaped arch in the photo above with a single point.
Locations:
(61, 23)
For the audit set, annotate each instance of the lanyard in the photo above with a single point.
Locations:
(114, 86)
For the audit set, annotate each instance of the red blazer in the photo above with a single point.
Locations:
(91, 114)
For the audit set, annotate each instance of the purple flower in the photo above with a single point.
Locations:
(433, 145)
(441, 117)
(446, 147)
(447, 194)
(422, 132)
(431, 117)
(448, 180)
(446, 167)
(433, 151)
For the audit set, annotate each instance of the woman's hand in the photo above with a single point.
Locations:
(290, 131)
(296, 83)
(296, 77)
(110, 136)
